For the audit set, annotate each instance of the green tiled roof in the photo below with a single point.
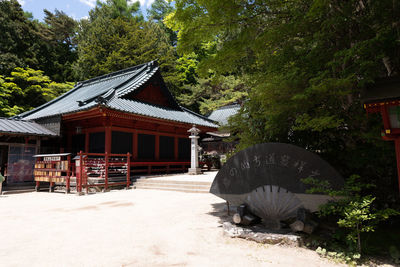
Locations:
(109, 91)
(222, 114)
(22, 127)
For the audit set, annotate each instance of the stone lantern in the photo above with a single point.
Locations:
(194, 151)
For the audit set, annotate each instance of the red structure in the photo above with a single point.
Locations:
(384, 98)
(129, 111)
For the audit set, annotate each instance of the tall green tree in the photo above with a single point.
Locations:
(157, 12)
(107, 44)
(18, 40)
(119, 8)
(26, 42)
(58, 45)
(307, 63)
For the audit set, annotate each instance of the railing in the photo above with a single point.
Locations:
(95, 170)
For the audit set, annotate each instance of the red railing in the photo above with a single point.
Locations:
(98, 167)
(100, 170)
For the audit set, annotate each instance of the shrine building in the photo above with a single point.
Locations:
(128, 111)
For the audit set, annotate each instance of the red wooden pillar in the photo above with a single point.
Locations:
(80, 171)
(106, 159)
(128, 169)
(108, 133)
(157, 147)
(176, 149)
(68, 185)
(397, 145)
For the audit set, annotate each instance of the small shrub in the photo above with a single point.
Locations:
(356, 213)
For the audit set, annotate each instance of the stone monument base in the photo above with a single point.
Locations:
(194, 171)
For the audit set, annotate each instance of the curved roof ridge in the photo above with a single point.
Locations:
(131, 88)
(116, 73)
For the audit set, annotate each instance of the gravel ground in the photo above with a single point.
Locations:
(129, 228)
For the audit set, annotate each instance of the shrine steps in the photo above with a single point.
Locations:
(17, 189)
(171, 185)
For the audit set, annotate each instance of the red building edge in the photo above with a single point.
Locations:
(384, 98)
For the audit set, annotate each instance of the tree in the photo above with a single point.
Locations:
(158, 11)
(307, 63)
(18, 40)
(58, 48)
(120, 8)
(27, 88)
(107, 44)
(211, 94)
(26, 42)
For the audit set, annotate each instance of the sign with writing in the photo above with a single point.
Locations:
(51, 158)
(274, 164)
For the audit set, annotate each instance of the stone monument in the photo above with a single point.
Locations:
(267, 178)
(194, 151)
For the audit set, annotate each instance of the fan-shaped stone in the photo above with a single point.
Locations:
(246, 177)
(273, 204)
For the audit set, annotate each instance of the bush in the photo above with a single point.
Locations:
(355, 212)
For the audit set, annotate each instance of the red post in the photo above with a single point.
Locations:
(108, 139)
(80, 171)
(106, 171)
(68, 185)
(128, 169)
(397, 145)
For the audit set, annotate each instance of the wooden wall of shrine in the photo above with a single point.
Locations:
(103, 130)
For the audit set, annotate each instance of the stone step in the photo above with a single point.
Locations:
(17, 191)
(173, 185)
(162, 181)
(170, 185)
(177, 189)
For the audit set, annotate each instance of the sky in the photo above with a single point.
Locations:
(76, 9)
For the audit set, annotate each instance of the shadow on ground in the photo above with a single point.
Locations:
(220, 210)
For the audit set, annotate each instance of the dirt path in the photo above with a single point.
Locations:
(129, 228)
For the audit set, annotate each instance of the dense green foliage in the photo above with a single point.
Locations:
(25, 42)
(354, 209)
(157, 12)
(27, 88)
(58, 45)
(306, 63)
(18, 41)
(115, 36)
(209, 94)
(108, 43)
